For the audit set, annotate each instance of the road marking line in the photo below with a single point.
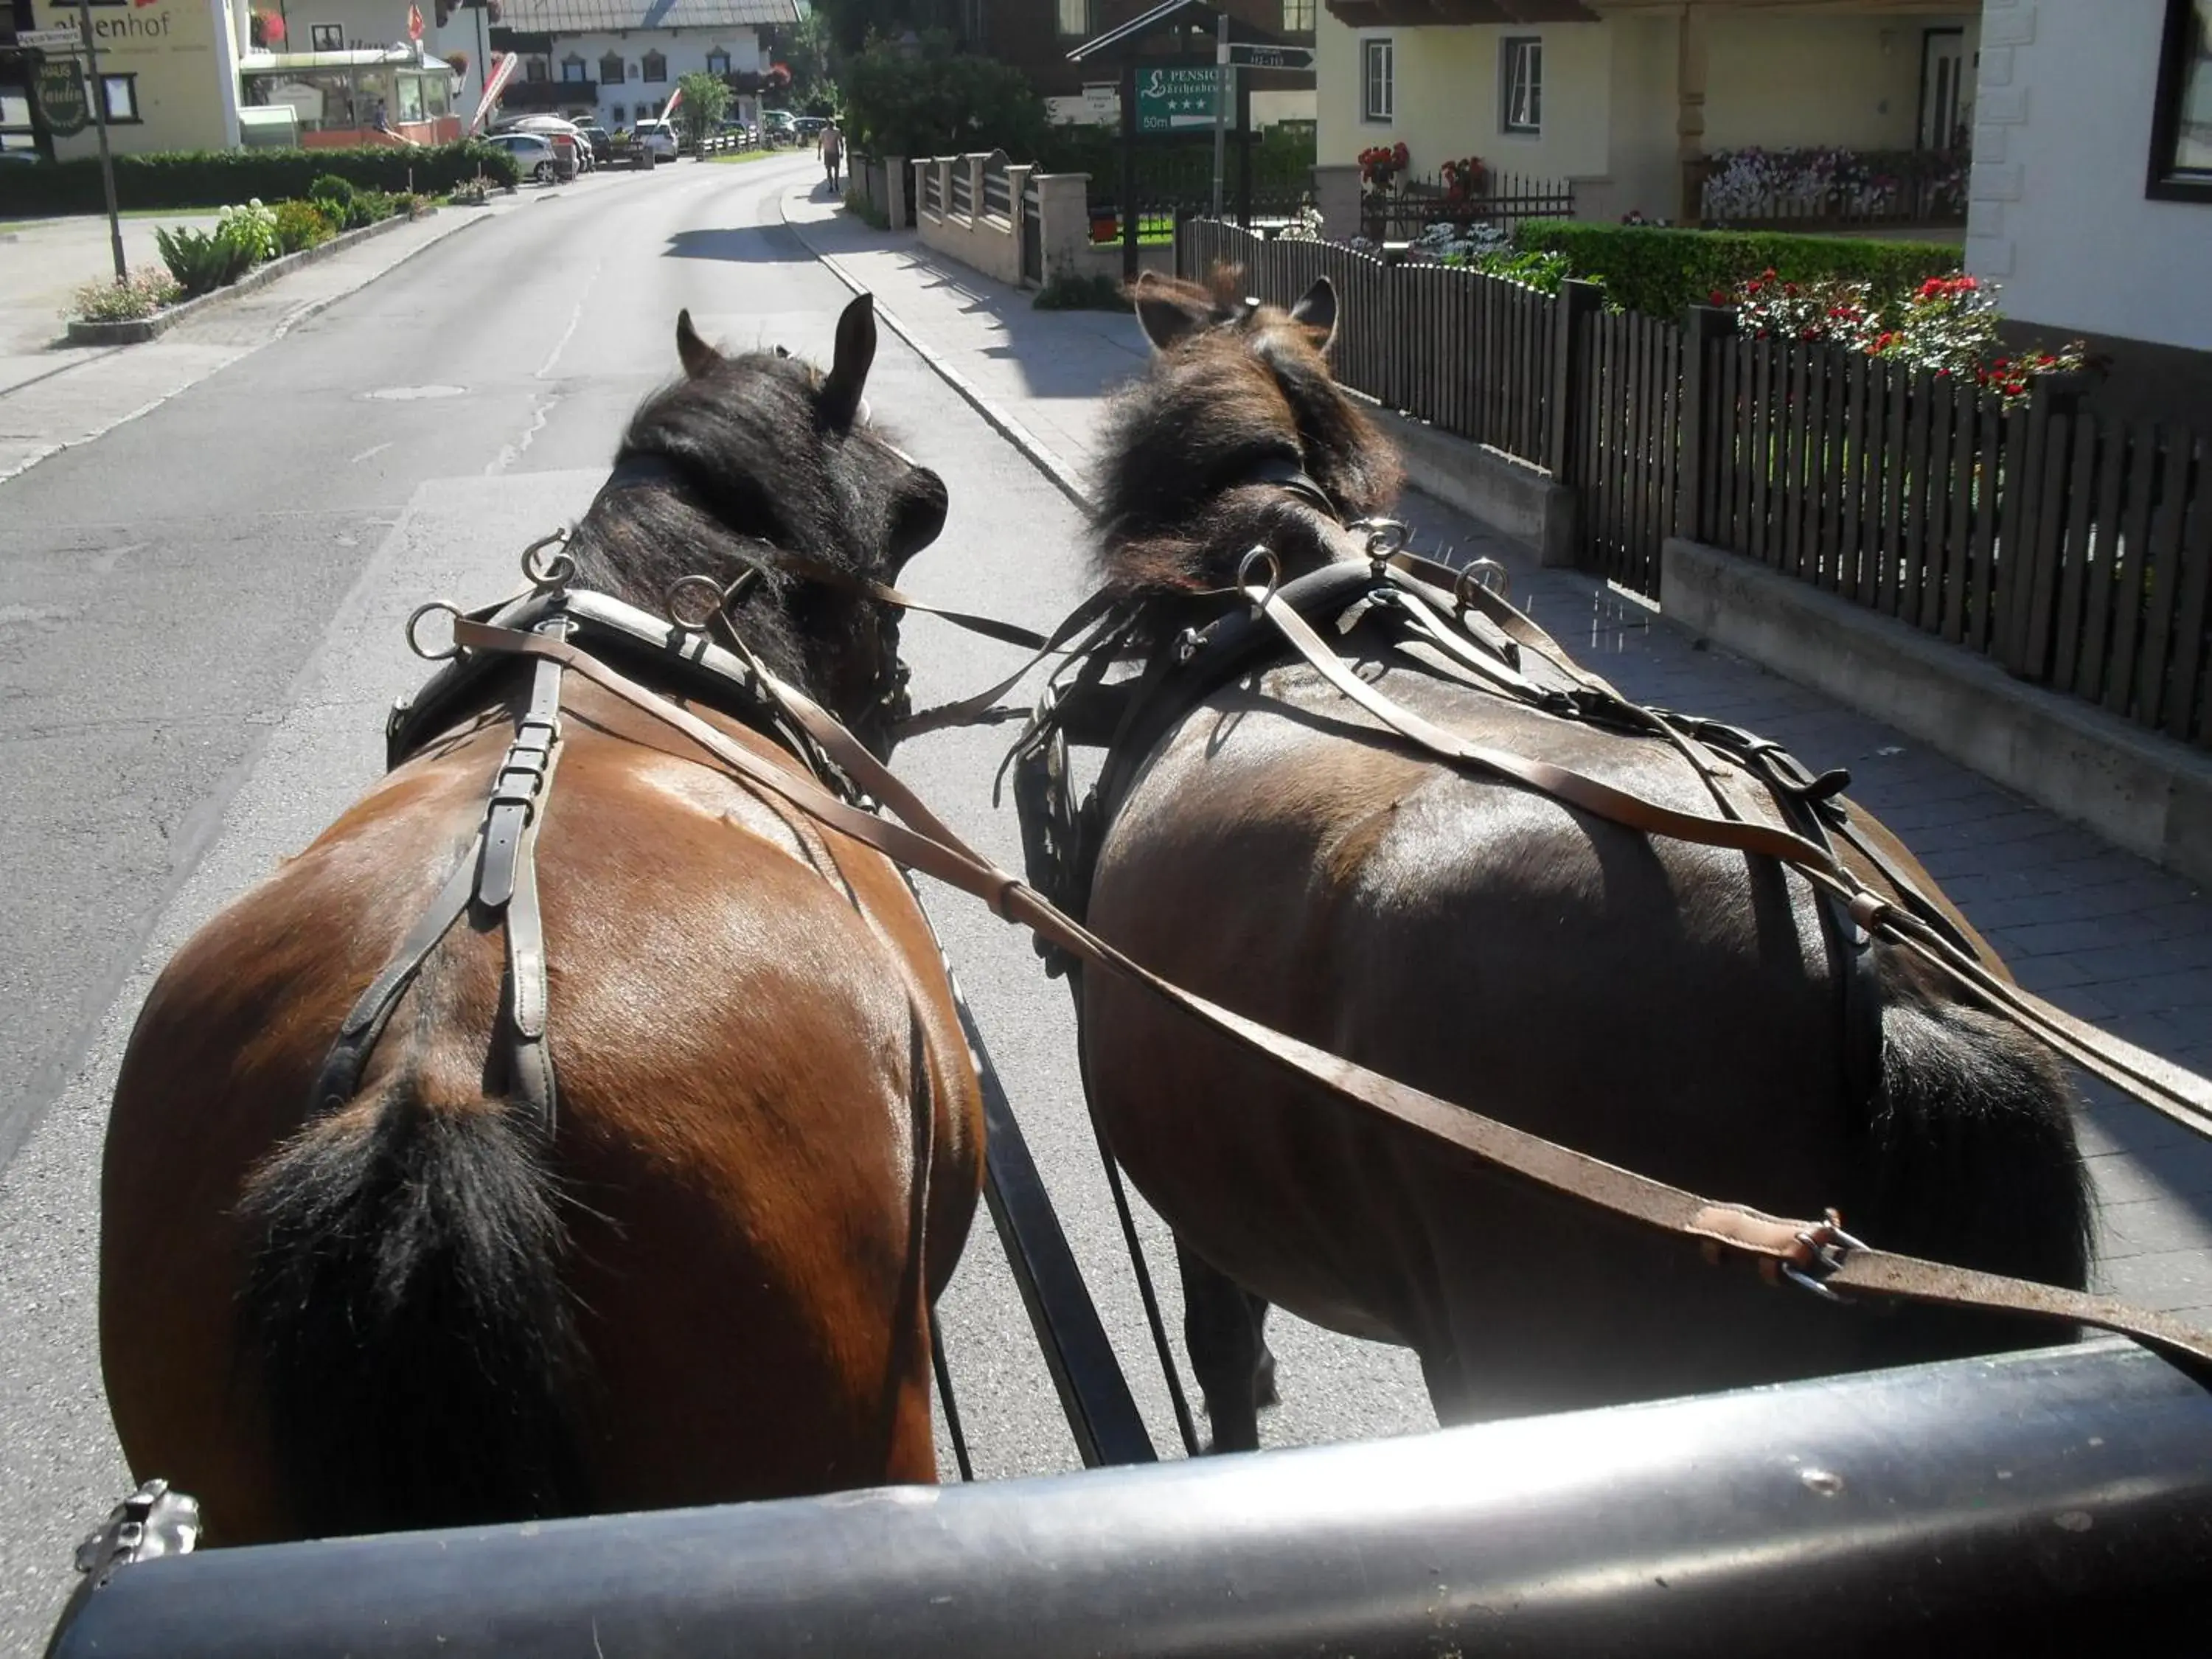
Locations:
(375, 450)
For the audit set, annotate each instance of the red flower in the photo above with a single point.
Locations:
(1717, 298)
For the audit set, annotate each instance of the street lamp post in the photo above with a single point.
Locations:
(107, 159)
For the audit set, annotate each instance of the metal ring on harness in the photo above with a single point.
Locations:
(1479, 574)
(672, 601)
(416, 645)
(1274, 566)
(1384, 537)
(556, 571)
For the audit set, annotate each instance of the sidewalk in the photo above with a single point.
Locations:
(2107, 936)
(53, 398)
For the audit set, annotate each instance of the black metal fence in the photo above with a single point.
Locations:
(1410, 206)
(2074, 549)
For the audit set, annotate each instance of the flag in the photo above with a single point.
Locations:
(502, 70)
(414, 22)
(675, 98)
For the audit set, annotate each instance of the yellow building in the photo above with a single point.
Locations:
(169, 74)
(1617, 95)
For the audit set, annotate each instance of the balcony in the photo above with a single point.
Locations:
(547, 94)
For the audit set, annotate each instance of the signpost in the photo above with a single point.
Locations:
(1270, 57)
(65, 90)
(1176, 99)
(1224, 78)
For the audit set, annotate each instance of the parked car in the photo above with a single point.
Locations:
(559, 130)
(596, 135)
(532, 152)
(810, 126)
(656, 140)
(779, 126)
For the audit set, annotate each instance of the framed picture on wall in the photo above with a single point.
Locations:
(2181, 119)
(326, 37)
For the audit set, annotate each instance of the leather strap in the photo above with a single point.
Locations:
(1816, 1251)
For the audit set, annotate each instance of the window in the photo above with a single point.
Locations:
(619, 114)
(656, 69)
(1521, 95)
(1298, 16)
(326, 37)
(633, 72)
(2181, 120)
(610, 69)
(718, 61)
(1378, 99)
(1077, 19)
(535, 69)
(572, 68)
(120, 93)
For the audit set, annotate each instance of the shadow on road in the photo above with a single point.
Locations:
(752, 245)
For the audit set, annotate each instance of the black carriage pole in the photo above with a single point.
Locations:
(1129, 171)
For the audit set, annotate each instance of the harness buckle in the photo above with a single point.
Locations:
(1826, 1244)
(1385, 536)
(1483, 572)
(414, 621)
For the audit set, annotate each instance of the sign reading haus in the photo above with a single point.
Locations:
(168, 73)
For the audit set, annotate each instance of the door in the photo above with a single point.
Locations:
(1947, 90)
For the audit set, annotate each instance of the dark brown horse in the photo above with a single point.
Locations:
(713, 1280)
(1665, 1007)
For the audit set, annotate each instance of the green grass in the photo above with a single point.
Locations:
(738, 158)
(125, 213)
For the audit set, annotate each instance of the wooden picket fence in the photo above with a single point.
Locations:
(2073, 549)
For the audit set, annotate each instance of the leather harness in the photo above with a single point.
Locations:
(1817, 1253)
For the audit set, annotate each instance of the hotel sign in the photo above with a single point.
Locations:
(62, 97)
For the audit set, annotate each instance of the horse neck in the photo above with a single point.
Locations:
(634, 545)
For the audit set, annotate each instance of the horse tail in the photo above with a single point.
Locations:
(415, 1339)
(1973, 1159)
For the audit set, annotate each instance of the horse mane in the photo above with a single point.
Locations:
(714, 464)
(1246, 385)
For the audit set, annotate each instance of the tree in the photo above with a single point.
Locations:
(938, 102)
(810, 52)
(705, 98)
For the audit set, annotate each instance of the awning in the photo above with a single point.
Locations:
(1418, 14)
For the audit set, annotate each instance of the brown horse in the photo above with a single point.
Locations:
(713, 1280)
(1665, 1007)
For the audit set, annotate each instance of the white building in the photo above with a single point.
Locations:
(620, 60)
(2091, 193)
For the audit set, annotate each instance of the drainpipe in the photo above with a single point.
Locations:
(1690, 114)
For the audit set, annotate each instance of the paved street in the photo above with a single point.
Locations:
(200, 599)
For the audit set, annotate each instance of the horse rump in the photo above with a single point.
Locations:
(1973, 1159)
(415, 1340)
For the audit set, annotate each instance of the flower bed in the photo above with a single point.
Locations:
(200, 263)
(1864, 187)
(1947, 325)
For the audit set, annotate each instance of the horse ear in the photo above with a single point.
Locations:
(698, 357)
(917, 514)
(1316, 311)
(849, 373)
(1166, 317)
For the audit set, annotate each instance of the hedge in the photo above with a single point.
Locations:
(212, 178)
(1658, 272)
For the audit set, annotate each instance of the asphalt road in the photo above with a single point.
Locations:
(199, 633)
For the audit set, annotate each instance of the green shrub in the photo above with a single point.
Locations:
(368, 207)
(858, 204)
(936, 101)
(254, 227)
(1659, 272)
(300, 226)
(469, 193)
(203, 261)
(146, 293)
(1065, 291)
(212, 179)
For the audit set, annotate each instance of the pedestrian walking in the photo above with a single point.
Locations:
(833, 152)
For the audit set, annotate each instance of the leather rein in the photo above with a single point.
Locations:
(1817, 1253)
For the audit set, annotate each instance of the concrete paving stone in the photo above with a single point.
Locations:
(2186, 1174)
(2167, 1281)
(2157, 992)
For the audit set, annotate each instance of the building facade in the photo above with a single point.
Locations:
(1617, 96)
(619, 61)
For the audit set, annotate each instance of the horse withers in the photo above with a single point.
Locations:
(1670, 1007)
(708, 1278)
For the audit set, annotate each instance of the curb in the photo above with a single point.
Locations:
(1033, 449)
(152, 328)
